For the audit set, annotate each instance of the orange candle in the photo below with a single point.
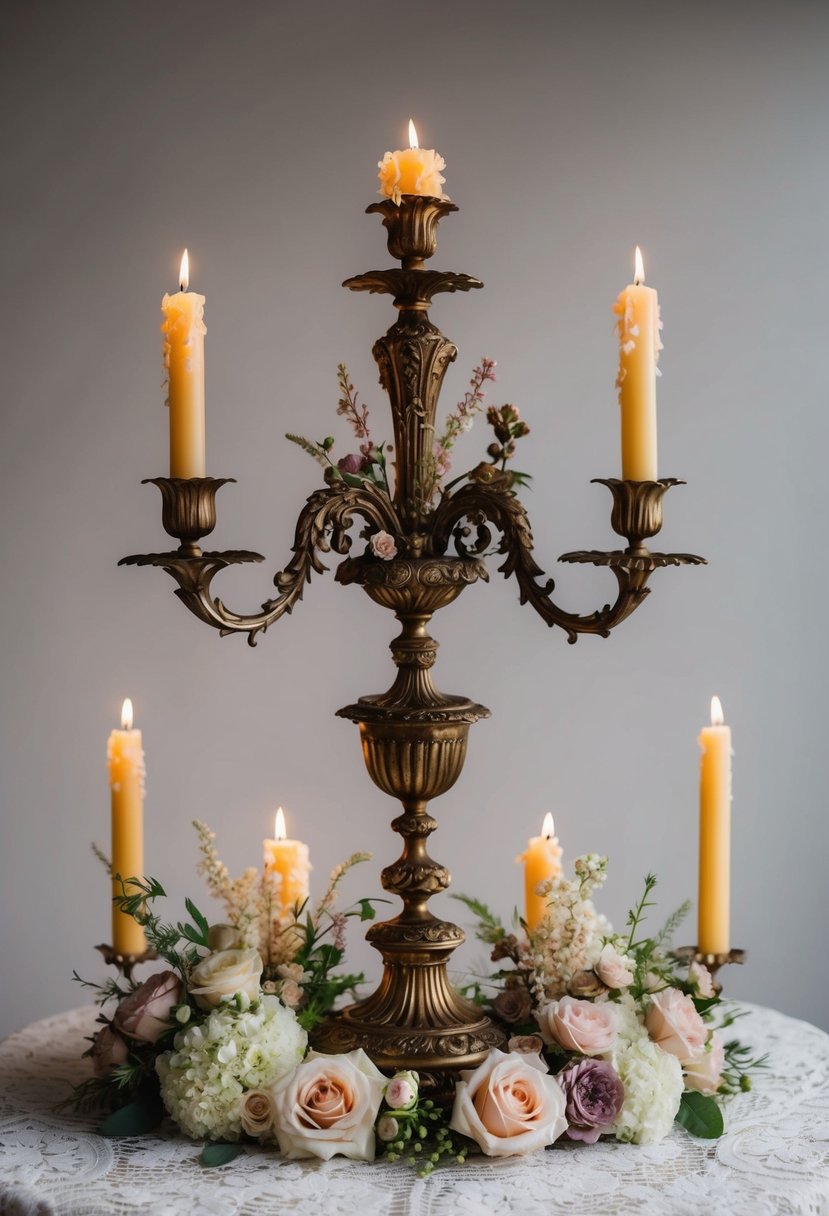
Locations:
(542, 861)
(412, 170)
(125, 760)
(638, 327)
(289, 859)
(183, 329)
(714, 905)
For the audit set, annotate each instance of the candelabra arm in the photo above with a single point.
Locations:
(487, 501)
(323, 526)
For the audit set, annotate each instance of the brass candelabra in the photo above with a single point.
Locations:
(414, 737)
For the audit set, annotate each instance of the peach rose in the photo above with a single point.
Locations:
(145, 1014)
(578, 1025)
(256, 1113)
(509, 1105)
(703, 1071)
(674, 1024)
(222, 975)
(383, 546)
(613, 969)
(328, 1105)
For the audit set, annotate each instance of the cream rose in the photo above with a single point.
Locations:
(509, 1105)
(578, 1025)
(703, 1071)
(256, 1113)
(328, 1105)
(614, 969)
(674, 1024)
(222, 975)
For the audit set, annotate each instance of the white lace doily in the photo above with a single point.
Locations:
(774, 1158)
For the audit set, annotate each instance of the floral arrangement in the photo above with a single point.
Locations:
(370, 463)
(634, 1035)
(610, 1035)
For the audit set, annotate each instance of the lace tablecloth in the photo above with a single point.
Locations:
(774, 1157)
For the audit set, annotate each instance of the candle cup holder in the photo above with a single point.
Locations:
(188, 510)
(713, 962)
(412, 226)
(414, 737)
(126, 962)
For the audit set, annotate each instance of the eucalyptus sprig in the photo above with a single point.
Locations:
(420, 1136)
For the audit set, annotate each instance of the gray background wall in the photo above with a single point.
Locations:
(250, 132)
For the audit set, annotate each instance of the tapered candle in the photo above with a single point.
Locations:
(290, 860)
(125, 760)
(542, 861)
(412, 170)
(638, 327)
(714, 835)
(183, 329)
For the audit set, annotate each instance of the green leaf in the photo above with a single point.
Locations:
(199, 919)
(219, 1154)
(367, 910)
(703, 1003)
(700, 1115)
(136, 1118)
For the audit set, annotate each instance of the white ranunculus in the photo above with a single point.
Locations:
(509, 1105)
(653, 1087)
(328, 1105)
(222, 975)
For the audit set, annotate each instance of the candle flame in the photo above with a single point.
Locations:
(413, 135)
(279, 825)
(638, 267)
(126, 714)
(717, 715)
(548, 828)
(184, 271)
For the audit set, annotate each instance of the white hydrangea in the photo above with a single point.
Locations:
(204, 1077)
(653, 1087)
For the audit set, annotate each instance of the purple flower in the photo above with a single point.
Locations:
(351, 464)
(594, 1096)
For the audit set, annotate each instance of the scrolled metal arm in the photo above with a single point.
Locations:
(323, 526)
(492, 502)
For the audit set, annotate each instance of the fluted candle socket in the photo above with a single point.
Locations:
(188, 510)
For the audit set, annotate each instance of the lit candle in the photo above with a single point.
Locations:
(714, 834)
(125, 759)
(412, 170)
(638, 327)
(289, 859)
(542, 861)
(183, 329)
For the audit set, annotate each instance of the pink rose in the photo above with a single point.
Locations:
(526, 1044)
(383, 545)
(328, 1105)
(256, 1113)
(509, 1105)
(613, 969)
(578, 1026)
(402, 1090)
(108, 1050)
(703, 1071)
(145, 1013)
(674, 1024)
(701, 978)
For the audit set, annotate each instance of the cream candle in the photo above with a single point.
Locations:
(542, 861)
(290, 860)
(125, 761)
(412, 170)
(714, 834)
(183, 329)
(638, 327)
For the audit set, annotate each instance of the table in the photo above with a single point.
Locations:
(774, 1158)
